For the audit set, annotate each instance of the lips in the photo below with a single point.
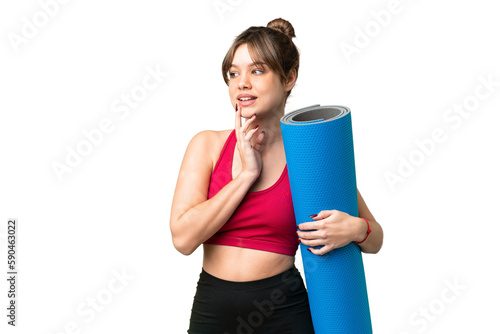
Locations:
(246, 97)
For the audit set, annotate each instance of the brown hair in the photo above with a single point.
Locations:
(272, 45)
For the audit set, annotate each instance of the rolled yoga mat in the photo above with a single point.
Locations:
(320, 157)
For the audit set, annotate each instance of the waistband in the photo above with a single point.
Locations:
(268, 281)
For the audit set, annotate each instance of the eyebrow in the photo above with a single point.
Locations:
(257, 63)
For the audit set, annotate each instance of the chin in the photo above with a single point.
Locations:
(248, 113)
(245, 115)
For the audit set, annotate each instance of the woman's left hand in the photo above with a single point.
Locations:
(333, 229)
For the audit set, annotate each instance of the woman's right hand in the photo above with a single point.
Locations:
(251, 159)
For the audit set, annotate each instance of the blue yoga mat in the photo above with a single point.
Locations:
(320, 157)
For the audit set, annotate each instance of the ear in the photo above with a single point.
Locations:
(290, 81)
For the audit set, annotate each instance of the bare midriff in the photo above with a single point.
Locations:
(243, 264)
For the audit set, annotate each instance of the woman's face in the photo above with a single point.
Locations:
(255, 87)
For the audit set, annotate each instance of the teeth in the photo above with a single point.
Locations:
(246, 98)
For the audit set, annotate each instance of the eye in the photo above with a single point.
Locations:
(258, 71)
(232, 74)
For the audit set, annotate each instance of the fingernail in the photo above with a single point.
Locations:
(236, 109)
(264, 132)
(309, 250)
(313, 216)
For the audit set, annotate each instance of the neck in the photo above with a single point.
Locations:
(271, 126)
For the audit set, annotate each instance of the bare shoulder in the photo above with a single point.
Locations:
(210, 140)
(208, 143)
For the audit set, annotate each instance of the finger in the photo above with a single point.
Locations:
(313, 243)
(237, 118)
(239, 126)
(311, 235)
(320, 215)
(321, 251)
(248, 122)
(324, 214)
(307, 226)
(259, 140)
(250, 133)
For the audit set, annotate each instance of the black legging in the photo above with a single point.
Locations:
(276, 304)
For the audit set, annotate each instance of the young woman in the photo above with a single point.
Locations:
(233, 196)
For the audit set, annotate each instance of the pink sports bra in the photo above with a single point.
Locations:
(264, 220)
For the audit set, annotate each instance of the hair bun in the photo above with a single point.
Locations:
(282, 26)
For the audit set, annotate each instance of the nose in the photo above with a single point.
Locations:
(244, 82)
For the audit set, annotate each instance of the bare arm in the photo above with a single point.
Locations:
(194, 218)
(373, 243)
